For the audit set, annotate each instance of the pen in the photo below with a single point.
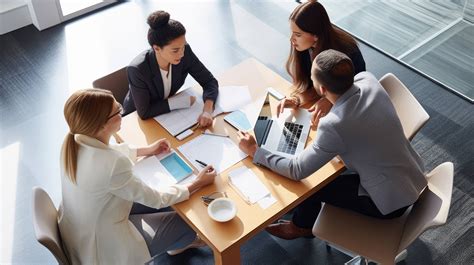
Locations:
(215, 134)
(201, 163)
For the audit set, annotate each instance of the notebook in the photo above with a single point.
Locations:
(248, 185)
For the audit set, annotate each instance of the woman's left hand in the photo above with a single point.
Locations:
(205, 119)
(159, 147)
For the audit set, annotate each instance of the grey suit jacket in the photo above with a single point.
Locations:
(146, 93)
(364, 130)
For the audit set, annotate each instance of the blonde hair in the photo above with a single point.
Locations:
(86, 111)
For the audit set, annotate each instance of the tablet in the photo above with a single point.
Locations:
(176, 166)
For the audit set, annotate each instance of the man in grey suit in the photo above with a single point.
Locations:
(362, 128)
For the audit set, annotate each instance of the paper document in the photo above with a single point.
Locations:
(232, 98)
(248, 185)
(163, 170)
(267, 201)
(179, 120)
(218, 151)
(239, 120)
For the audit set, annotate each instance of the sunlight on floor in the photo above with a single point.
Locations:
(9, 174)
(90, 44)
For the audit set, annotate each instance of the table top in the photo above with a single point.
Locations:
(250, 219)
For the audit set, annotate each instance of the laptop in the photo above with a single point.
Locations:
(285, 135)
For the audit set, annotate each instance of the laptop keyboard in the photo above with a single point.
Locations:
(289, 139)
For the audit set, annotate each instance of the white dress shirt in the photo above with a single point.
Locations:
(178, 101)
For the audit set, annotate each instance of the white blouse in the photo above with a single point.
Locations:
(176, 101)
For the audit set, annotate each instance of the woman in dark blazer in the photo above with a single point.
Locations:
(157, 74)
(312, 33)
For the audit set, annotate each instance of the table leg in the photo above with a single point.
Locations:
(229, 256)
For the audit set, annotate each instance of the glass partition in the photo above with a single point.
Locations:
(434, 37)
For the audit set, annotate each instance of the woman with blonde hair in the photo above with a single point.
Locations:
(312, 33)
(99, 188)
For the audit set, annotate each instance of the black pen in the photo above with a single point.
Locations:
(201, 163)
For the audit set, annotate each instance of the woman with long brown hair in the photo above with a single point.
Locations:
(99, 189)
(312, 33)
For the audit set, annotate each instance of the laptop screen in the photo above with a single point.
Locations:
(281, 134)
(263, 122)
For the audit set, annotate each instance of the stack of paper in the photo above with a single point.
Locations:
(179, 120)
(218, 151)
(248, 185)
(232, 98)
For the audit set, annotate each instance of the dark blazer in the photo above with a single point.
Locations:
(356, 57)
(146, 93)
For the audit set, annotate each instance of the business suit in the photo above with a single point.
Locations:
(364, 130)
(146, 93)
(94, 212)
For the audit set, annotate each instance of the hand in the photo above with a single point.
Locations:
(205, 119)
(159, 147)
(319, 110)
(247, 143)
(192, 99)
(206, 176)
(292, 102)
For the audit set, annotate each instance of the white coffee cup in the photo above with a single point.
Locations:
(222, 209)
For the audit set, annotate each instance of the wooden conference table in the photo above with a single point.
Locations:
(225, 239)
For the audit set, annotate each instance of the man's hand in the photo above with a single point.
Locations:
(247, 143)
(319, 110)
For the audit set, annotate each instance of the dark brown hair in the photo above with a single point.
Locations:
(311, 17)
(163, 29)
(334, 71)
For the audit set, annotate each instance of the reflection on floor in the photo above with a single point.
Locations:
(38, 71)
(433, 37)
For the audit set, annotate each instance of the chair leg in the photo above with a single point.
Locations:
(328, 247)
(357, 260)
(401, 256)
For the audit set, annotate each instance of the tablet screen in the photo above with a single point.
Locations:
(176, 166)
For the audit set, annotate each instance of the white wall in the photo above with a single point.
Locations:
(14, 14)
(44, 13)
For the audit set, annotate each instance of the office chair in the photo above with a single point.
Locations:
(410, 112)
(385, 241)
(45, 221)
(116, 82)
